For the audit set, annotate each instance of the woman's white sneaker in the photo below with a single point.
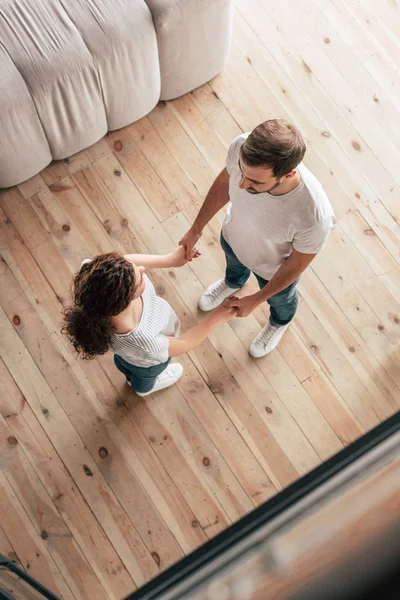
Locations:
(85, 261)
(215, 295)
(169, 377)
(267, 340)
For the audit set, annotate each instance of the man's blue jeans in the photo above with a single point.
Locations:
(283, 305)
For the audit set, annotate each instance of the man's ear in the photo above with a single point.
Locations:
(291, 174)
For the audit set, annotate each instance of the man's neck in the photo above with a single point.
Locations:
(287, 185)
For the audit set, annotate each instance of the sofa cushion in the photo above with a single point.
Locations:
(120, 37)
(23, 145)
(58, 70)
(193, 41)
(71, 71)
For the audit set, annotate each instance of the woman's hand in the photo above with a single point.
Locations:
(244, 306)
(222, 314)
(179, 257)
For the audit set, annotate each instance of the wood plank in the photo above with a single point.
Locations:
(15, 586)
(6, 548)
(216, 114)
(164, 163)
(192, 461)
(71, 224)
(28, 544)
(53, 174)
(334, 363)
(336, 123)
(45, 519)
(143, 175)
(182, 148)
(373, 376)
(332, 406)
(58, 227)
(110, 216)
(192, 121)
(69, 501)
(169, 500)
(332, 39)
(345, 289)
(99, 149)
(305, 115)
(388, 13)
(129, 199)
(368, 243)
(32, 186)
(28, 225)
(228, 89)
(77, 161)
(227, 439)
(374, 57)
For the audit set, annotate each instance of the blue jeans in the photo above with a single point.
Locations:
(283, 305)
(141, 379)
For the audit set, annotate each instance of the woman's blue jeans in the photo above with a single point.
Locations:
(141, 379)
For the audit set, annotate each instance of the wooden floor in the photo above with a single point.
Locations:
(100, 490)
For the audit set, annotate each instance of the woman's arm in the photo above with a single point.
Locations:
(192, 338)
(162, 261)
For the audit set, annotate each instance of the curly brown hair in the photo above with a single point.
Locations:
(101, 289)
(275, 144)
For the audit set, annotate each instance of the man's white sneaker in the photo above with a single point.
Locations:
(215, 294)
(267, 340)
(167, 378)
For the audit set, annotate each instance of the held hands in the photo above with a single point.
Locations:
(223, 314)
(180, 257)
(244, 306)
(233, 307)
(189, 241)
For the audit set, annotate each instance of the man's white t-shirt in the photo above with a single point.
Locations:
(262, 229)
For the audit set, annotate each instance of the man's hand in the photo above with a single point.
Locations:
(180, 256)
(244, 306)
(189, 241)
(222, 314)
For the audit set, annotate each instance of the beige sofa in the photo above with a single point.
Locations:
(71, 70)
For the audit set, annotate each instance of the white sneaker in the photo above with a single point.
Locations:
(267, 340)
(85, 262)
(215, 294)
(167, 378)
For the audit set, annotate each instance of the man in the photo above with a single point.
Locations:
(277, 219)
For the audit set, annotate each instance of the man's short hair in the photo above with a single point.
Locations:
(274, 144)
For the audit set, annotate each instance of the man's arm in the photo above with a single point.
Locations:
(216, 198)
(287, 273)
